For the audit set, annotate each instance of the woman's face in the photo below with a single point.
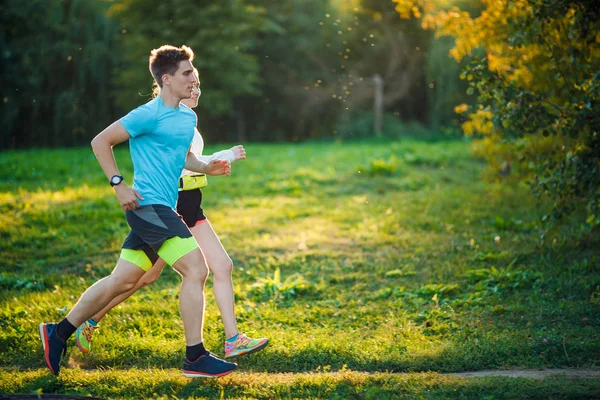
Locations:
(192, 102)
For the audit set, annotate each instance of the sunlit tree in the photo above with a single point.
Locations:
(538, 91)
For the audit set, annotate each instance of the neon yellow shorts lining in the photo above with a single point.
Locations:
(175, 248)
(137, 257)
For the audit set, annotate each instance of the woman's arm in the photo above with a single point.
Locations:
(236, 153)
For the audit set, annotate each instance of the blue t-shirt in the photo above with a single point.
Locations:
(160, 140)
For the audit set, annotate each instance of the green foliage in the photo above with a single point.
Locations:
(361, 126)
(327, 53)
(57, 58)
(552, 123)
(220, 33)
(595, 298)
(444, 84)
(11, 282)
(271, 70)
(382, 167)
(275, 289)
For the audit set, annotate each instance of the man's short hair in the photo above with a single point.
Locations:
(166, 59)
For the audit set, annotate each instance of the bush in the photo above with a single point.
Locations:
(538, 93)
(361, 126)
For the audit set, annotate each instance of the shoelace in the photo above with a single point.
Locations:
(88, 331)
(243, 340)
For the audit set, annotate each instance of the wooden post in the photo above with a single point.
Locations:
(378, 104)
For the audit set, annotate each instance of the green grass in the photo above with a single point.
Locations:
(370, 257)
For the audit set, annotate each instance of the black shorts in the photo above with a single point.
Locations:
(151, 226)
(189, 206)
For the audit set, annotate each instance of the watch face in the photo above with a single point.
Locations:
(115, 180)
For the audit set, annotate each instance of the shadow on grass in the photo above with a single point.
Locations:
(485, 354)
(138, 384)
(158, 383)
(47, 397)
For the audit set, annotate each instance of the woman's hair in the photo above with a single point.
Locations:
(166, 59)
(156, 88)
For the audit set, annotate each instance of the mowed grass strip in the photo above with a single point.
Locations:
(169, 384)
(392, 256)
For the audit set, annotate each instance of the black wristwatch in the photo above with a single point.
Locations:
(115, 180)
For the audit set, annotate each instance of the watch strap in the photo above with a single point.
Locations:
(115, 182)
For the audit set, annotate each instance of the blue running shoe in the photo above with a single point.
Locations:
(54, 347)
(207, 366)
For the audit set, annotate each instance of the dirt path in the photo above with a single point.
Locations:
(532, 373)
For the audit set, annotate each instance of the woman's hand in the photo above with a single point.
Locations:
(239, 152)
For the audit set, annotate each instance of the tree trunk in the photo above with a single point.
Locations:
(241, 124)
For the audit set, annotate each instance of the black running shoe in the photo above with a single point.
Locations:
(207, 366)
(54, 346)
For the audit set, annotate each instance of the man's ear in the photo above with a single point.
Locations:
(166, 79)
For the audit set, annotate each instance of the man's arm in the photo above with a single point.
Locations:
(102, 145)
(214, 167)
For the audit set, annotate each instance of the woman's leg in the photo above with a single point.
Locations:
(219, 263)
(221, 266)
(148, 278)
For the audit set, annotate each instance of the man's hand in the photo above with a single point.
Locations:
(218, 167)
(128, 197)
(239, 152)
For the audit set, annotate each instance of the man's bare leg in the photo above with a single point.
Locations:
(193, 270)
(95, 298)
(198, 361)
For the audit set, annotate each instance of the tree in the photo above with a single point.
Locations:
(318, 66)
(221, 33)
(57, 57)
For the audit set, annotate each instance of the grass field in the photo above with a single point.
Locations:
(357, 260)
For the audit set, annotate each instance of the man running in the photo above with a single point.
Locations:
(159, 133)
(189, 206)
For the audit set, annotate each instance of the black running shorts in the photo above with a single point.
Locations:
(151, 226)
(189, 206)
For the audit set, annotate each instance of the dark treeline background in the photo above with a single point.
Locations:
(271, 70)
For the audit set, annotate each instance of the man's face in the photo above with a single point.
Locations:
(183, 81)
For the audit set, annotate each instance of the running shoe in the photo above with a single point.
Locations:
(207, 366)
(244, 345)
(83, 336)
(54, 347)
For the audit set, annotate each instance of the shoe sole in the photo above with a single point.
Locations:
(83, 350)
(254, 350)
(46, 346)
(192, 374)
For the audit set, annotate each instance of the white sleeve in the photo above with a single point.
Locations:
(226, 155)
